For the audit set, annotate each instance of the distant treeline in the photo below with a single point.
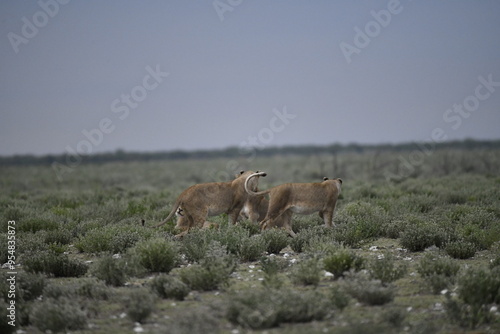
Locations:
(235, 152)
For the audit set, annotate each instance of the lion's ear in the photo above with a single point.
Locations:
(242, 171)
(340, 180)
(325, 178)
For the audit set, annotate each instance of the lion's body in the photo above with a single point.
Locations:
(299, 198)
(255, 208)
(200, 201)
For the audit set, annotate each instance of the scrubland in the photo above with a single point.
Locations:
(415, 249)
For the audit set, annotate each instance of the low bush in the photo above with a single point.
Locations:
(367, 291)
(109, 270)
(418, 237)
(58, 315)
(307, 272)
(139, 304)
(478, 290)
(342, 261)
(197, 320)
(267, 308)
(439, 272)
(167, 286)
(386, 269)
(213, 270)
(460, 249)
(157, 254)
(272, 266)
(310, 239)
(57, 265)
(30, 285)
(111, 238)
(92, 289)
(252, 248)
(37, 224)
(339, 297)
(5, 327)
(195, 244)
(275, 239)
(60, 236)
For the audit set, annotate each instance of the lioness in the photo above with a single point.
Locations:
(211, 199)
(255, 209)
(301, 198)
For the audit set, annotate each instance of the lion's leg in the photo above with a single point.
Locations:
(328, 218)
(286, 222)
(233, 216)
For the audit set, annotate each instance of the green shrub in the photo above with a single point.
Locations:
(92, 289)
(460, 249)
(252, 228)
(5, 327)
(157, 255)
(342, 261)
(167, 286)
(212, 272)
(109, 270)
(433, 264)
(495, 262)
(369, 292)
(418, 237)
(29, 285)
(111, 238)
(37, 224)
(197, 320)
(480, 286)
(275, 239)
(439, 272)
(57, 265)
(267, 308)
(195, 244)
(339, 297)
(307, 272)
(481, 237)
(230, 236)
(58, 315)
(311, 238)
(394, 316)
(252, 248)
(478, 290)
(139, 304)
(385, 268)
(60, 236)
(271, 266)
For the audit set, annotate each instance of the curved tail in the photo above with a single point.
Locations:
(170, 215)
(251, 192)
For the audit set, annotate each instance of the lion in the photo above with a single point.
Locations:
(255, 209)
(300, 198)
(199, 201)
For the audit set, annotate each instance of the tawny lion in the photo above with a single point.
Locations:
(199, 201)
(300, 198)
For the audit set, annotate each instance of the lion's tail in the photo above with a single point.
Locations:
(251, 192)
(171, 214)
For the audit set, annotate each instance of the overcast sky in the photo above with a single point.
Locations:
(96, 76)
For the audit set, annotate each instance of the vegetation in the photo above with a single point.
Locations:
(414, 248)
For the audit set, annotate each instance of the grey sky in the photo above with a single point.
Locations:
(277, 71)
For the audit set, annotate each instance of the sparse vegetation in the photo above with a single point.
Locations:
(435, 258)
